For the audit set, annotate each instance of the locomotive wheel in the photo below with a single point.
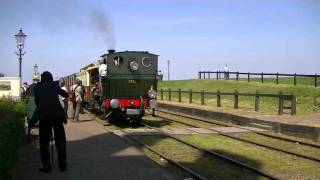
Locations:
(114, 117)
(136, 120)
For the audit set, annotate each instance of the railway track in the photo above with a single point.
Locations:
(216, 154)
(316, 159)
(173, 162)
(241, 127)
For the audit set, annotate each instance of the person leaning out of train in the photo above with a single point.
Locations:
(77, 90)
(102, 74)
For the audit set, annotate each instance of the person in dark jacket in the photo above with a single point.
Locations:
(52, 116)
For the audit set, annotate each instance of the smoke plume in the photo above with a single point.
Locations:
(103, 26)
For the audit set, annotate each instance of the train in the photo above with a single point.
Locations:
(129, 88)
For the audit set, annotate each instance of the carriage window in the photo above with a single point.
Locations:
(117, 61)
(146, 61)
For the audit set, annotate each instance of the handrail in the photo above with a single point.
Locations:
(280, 96)
(202, 75)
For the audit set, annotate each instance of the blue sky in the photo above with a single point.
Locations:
(248, 35)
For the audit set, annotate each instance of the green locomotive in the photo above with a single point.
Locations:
(131, 83)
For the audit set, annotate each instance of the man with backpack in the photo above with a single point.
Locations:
(77, 93)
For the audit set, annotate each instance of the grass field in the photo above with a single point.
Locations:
(305, 93)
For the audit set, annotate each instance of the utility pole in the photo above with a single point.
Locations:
(168, 69)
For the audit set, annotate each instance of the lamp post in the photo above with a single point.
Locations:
(20, 37)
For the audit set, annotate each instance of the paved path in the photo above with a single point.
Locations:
(93, 154)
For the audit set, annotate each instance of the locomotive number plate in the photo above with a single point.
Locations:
(131, 81)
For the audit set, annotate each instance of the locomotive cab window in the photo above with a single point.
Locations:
(146, 61)
(117, 61)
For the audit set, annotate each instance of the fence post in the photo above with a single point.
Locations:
(202, 97)
(277, 78)
(295, 79)
(218, 99)
(315, 80)
(199, 74)
(293, 105)
(179, 94)
(280, 110)
(169, 94)
(190, 96)
(237, 76)
(256, 101)
(236, 99)
(248, 77)
(217, 75)
(161, 93)
(262, 77)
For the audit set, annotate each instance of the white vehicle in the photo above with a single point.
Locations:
(10, 87)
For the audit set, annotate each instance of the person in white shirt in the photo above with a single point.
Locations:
(226, 72)
(78, 92)
(103, 68)
(64, 100)
(102, 74)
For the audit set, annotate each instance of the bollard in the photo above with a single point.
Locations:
(202, 97)
(295, 79)
(236, 99)
(293, 105)
(256, 101)
(218, 99)
(277, 78)
(280, 109)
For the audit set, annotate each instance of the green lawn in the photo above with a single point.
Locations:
(305, 93)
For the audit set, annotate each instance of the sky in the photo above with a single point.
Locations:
(247, 35)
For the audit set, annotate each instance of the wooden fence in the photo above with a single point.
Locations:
(281, 98)
(226, 75)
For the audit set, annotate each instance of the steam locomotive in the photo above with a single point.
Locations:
(129, 88)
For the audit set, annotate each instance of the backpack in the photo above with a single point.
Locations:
(72, 95)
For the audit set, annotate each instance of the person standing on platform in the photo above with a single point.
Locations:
(64, 100)
(52, 116)
(77, 91)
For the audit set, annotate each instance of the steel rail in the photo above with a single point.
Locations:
(179, 165)
(221, 156)
(257, 132)
(256, 143)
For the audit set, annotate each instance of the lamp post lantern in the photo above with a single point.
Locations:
(20, 37)
(35, 68)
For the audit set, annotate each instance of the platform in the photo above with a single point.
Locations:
(93, 153)
(307, 126)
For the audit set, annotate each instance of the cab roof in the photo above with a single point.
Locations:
(121, 52)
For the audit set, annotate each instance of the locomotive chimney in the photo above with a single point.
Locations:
(110, 51)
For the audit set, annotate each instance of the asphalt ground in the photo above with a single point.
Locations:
(93, 154)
